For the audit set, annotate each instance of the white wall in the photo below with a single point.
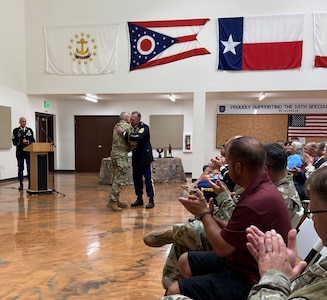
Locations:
(196, 75)
(12, 75)
(188, 75)
(23, 49)
(19, 107)
(68, 109)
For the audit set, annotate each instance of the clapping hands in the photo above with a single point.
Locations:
(270, 251)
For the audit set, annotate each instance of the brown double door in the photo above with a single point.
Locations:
(93, 140)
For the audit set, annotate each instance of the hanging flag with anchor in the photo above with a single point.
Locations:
(83, 49)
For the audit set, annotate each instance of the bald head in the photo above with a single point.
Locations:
(22, 122)
(246, 150)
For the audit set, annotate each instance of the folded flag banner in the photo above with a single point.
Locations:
(81, 50)
(154, 43)
(320, 40)
(271, 42)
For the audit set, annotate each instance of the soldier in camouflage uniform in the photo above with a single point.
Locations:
(192, 237)
(276, 164)
(119, 161)
(281, 278)
(276, 284)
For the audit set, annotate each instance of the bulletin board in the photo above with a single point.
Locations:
(266, 128)
(5, 127)
(165, 130)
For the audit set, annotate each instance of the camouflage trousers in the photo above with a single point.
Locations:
(188, 237)
(119, 171)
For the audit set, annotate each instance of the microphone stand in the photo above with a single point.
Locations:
(53, 175)
(48, 138)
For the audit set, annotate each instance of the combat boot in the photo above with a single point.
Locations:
(158, 238)
(151, 203)
(121, 204)
(138, 202)
(113, 205)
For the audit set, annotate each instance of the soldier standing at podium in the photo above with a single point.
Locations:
(22, 136)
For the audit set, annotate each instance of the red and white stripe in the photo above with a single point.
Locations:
(315, 126)
(320, 39)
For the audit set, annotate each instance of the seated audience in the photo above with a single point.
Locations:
(215, 166)
(310, 152)
(229, 272)
(315, 162)
(320, 154)
(309, 157)
(295, 157)
(313, 159)
(281, 276)
(276, 167)
(280, 142)
(324, 152)
(191, 236)
(295, 164)
(217, 169)
(287, 146)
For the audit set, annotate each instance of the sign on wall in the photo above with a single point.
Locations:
(271, 122)
(5, 127)
(271, 108)
(166, 130)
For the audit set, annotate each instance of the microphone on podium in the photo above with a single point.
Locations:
(47, 137)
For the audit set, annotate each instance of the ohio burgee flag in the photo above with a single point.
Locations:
(81, 49)
(271, 42)
(154, 43)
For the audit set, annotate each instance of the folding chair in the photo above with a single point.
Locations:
(298, 218)
(308, 243)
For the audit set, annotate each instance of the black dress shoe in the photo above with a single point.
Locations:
(20, 187)
(150, 205)
(138, 202)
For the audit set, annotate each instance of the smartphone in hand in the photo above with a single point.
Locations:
(190, 189)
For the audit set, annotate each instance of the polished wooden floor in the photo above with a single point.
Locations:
(68, 245)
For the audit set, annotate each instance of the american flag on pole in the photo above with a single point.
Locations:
(154, 43)
(307, 125)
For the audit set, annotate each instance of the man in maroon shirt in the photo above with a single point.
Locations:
(229, 271)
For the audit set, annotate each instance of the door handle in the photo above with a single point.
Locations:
(99, 146)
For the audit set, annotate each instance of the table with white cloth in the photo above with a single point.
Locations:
(164, 170)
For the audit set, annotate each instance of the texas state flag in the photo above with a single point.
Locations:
(155, 43)
(271, 42)
(320, 38)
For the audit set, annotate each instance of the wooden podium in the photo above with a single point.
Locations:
(39, 179)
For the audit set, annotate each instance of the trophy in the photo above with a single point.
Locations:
(165, 152)
(169, 151)
(159, 152)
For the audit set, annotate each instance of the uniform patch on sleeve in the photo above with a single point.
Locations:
(141, 130)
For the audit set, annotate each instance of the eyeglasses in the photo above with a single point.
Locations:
(309, 212)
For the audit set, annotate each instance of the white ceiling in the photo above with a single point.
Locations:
(315, 96)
